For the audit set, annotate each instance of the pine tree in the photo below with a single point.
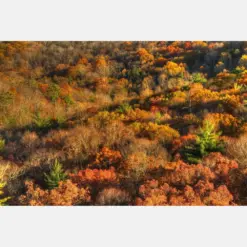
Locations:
(55, 176)
(207, 141)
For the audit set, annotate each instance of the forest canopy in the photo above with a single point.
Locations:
(123, 123)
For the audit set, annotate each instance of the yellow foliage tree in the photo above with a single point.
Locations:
(145, 56)
(5, 199)
(174, 69)
(243, 61)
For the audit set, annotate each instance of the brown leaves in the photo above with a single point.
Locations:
(113, 196)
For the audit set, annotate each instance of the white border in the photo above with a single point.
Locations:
(123, 226)
(122, 20)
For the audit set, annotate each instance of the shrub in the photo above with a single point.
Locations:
(82, 142)
(112, 196)
(55, 176)
(138, 164)
(237, 150)
(116, 134)
(149, 147)
(30, 139)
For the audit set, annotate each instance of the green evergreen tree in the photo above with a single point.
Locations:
(55, 176)
(207, 141)
(41, 122)
(124, 108)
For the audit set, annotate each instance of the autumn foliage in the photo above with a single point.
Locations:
(66, 194)
(184, 184)
(123, 123)
(88, 176)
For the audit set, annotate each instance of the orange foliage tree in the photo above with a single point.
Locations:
(145, 56)
(66, 194)
(184, 184)
(89, 176)
(106, 158)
